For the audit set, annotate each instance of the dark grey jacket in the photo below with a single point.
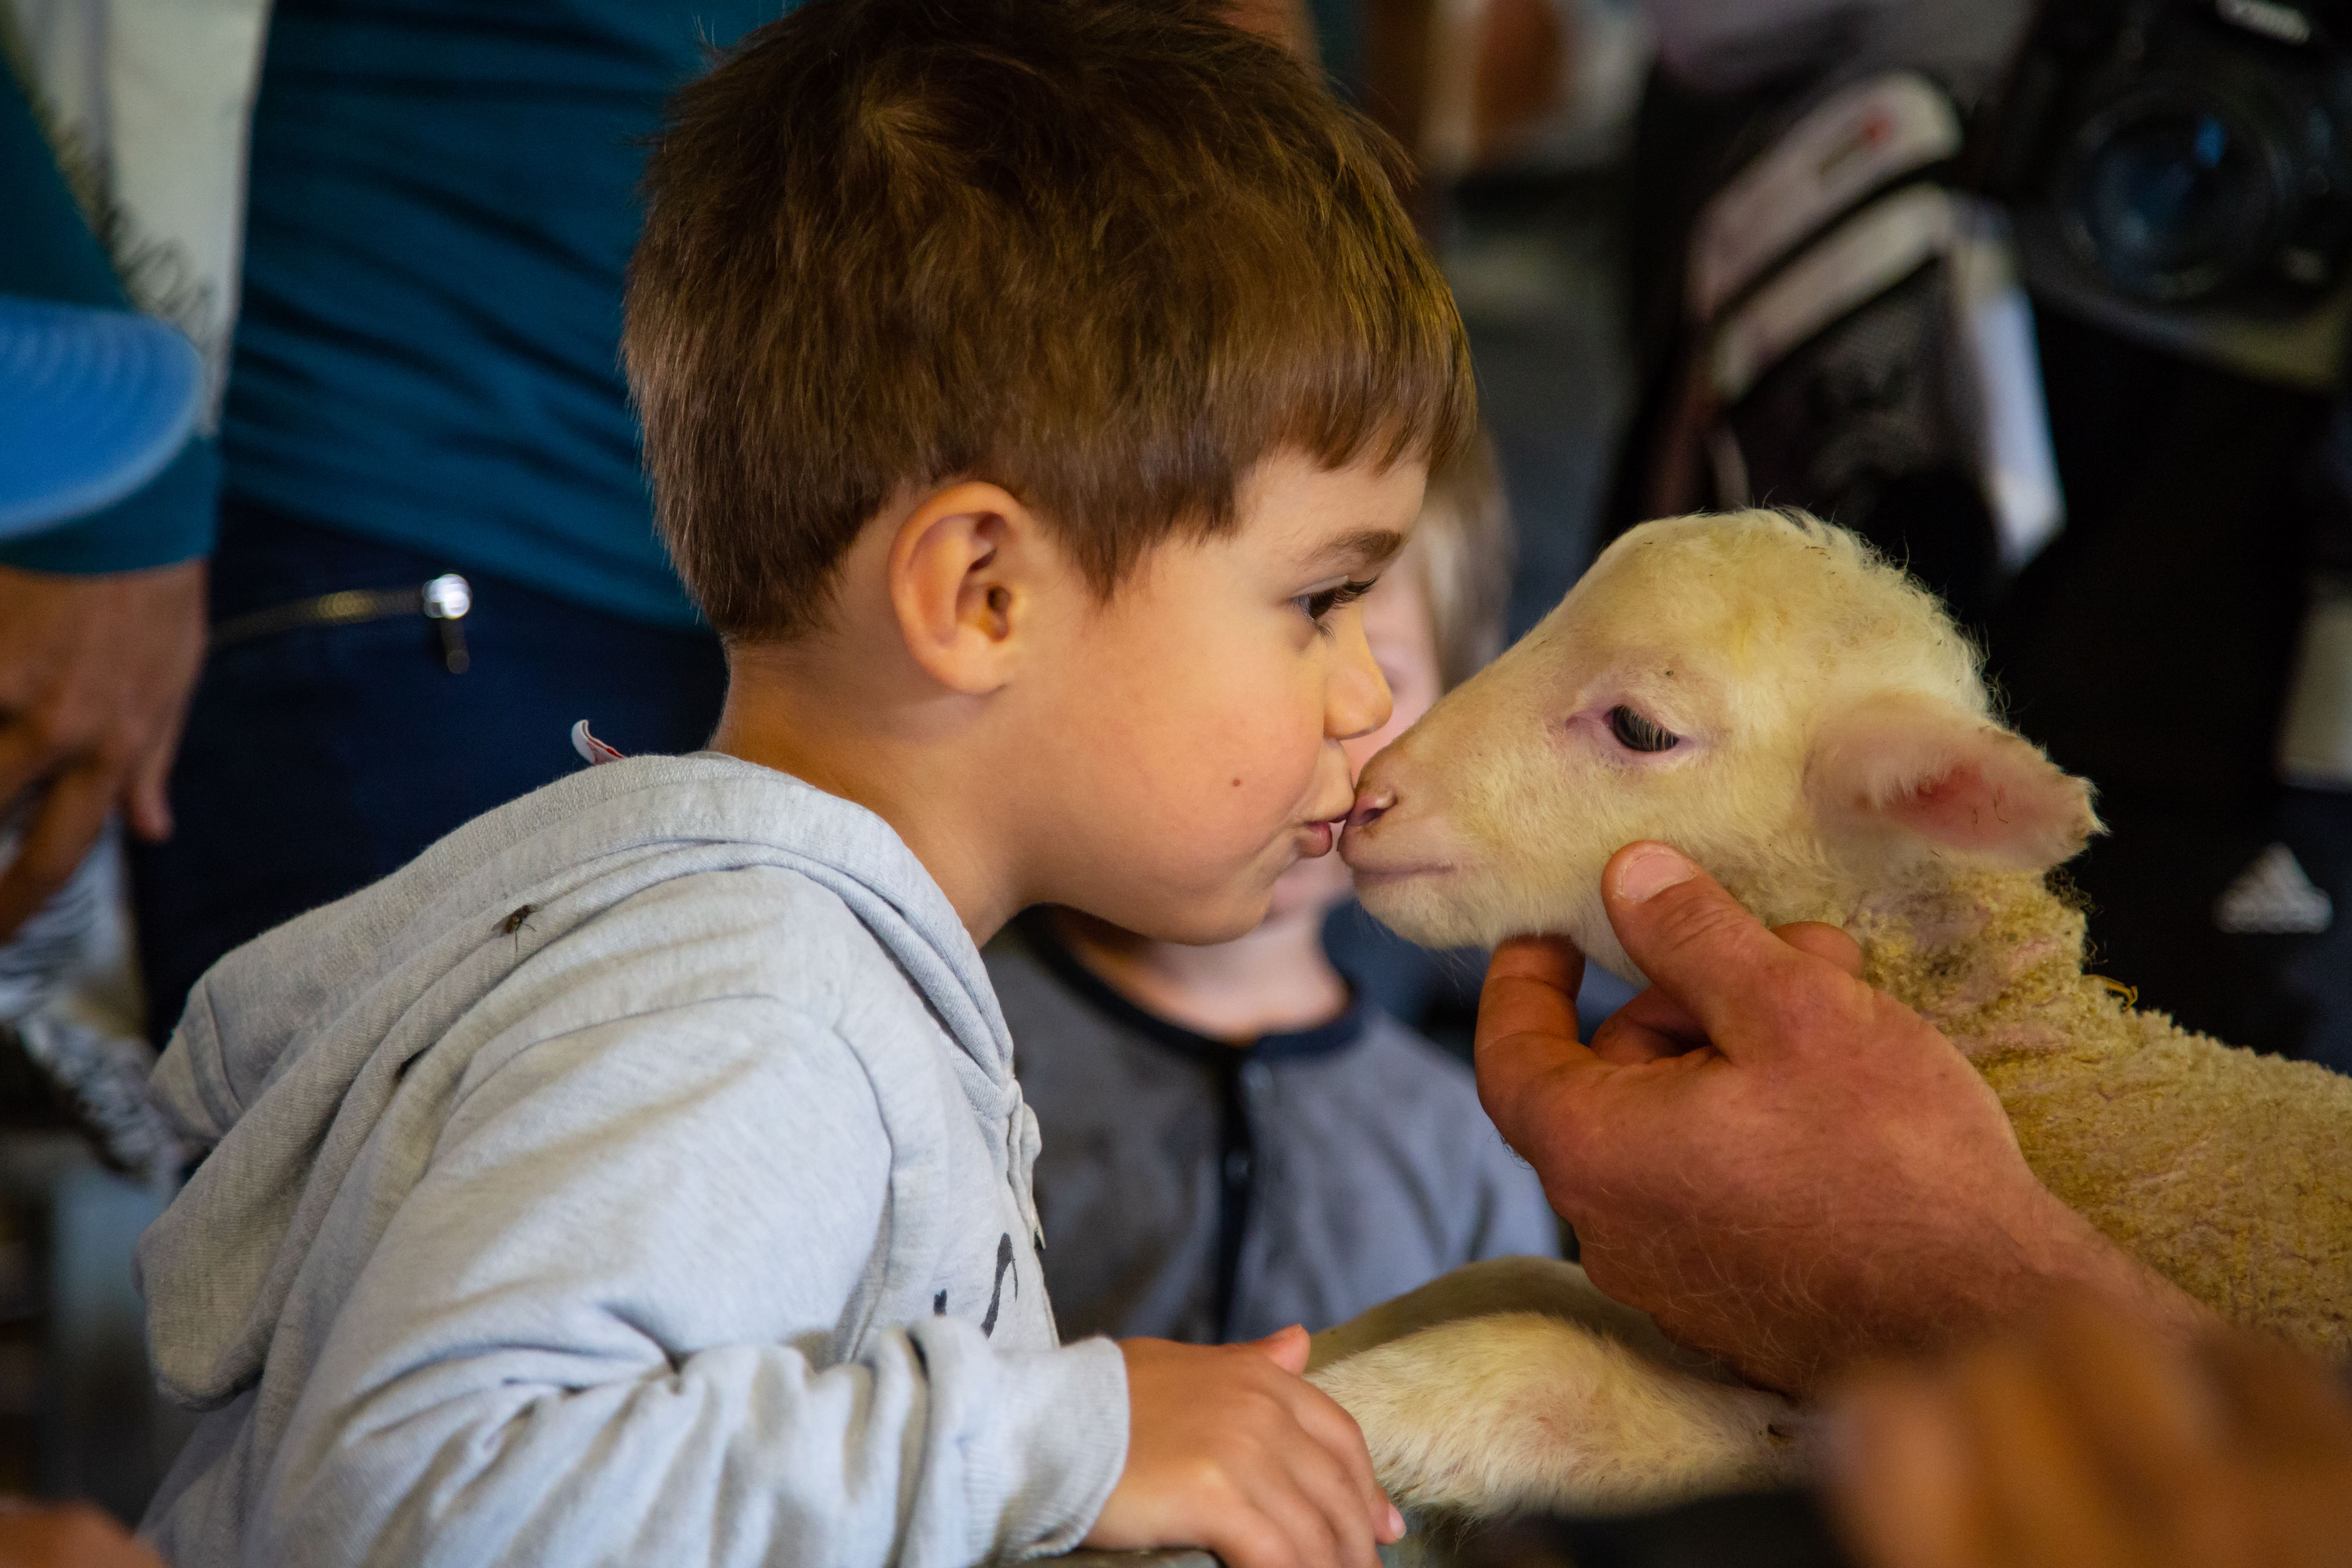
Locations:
(1194, 1190)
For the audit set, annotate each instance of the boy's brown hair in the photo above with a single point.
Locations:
(1105, 253)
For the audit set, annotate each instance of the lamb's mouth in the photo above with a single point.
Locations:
(1368, 877)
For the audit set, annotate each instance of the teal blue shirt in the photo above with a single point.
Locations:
(443, 202)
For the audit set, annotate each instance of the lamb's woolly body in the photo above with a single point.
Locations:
(1838, 762)
(2223, 1170)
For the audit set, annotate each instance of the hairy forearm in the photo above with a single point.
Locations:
(2066, 1252)
(1795, 1307)
(1999, 1274)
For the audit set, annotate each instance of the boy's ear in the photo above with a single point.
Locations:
(961, 569)
(1900, 767)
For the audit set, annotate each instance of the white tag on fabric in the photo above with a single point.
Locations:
(593, 751)
(1860, 259)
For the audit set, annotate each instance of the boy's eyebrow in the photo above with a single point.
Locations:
(1366, 550)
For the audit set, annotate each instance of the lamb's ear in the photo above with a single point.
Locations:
(1900, 766)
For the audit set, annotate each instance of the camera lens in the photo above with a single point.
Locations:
(2173, 194)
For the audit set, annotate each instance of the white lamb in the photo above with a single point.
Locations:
(1763, 693)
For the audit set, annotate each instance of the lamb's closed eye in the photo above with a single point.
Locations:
(1636, 731)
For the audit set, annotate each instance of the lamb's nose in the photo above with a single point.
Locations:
(1371, 805)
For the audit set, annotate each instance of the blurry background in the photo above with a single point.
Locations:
(2048, 303)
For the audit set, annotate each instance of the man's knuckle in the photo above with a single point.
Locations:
(1689, 917)
(1796, 1007)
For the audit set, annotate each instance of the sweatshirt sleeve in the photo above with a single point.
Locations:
(622, 1317)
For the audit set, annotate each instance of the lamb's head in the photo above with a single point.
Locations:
(1756, 688)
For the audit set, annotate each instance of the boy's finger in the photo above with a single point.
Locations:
(1324, 1481)
(1328, 1423)
(1287, 1348)
(1248, 1539)
(1298, 1516)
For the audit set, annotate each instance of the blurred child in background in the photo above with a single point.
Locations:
(1233, 1139)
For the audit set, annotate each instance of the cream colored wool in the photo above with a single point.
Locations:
(1836, 760)
(2224, 1171)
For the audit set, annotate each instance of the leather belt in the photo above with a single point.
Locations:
(445, 601)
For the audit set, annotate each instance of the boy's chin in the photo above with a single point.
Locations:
(1208, 928)
(1195, 923)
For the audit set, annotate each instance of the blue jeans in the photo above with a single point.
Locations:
(320, 759)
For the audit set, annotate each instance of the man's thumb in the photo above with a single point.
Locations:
(1695, 941)
(1287, 1348)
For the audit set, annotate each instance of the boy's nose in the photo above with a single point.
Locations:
(1371, 805)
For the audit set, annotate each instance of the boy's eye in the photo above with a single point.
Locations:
(1323, 601)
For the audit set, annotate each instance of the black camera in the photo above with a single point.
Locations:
(2181, 171)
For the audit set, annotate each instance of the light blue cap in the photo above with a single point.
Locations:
(93, 404)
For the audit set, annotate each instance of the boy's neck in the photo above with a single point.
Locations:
(1274, 980)
(875, 748)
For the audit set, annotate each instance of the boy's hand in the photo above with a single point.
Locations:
(1230, 1449)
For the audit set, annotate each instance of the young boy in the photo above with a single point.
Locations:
(1233, 1141)
(1029, 386)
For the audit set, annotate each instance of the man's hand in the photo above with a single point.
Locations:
(95, 674)
(2097, 1443)
(1230, 1449)
(1785, 1167)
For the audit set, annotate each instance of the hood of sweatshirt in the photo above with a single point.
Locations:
(291, 1047)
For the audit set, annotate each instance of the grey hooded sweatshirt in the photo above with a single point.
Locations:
(637, 1176)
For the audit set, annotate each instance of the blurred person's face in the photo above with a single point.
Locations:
(1403, 638)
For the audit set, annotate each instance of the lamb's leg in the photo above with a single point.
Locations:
(1518, 1412)
(1544, 1285)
